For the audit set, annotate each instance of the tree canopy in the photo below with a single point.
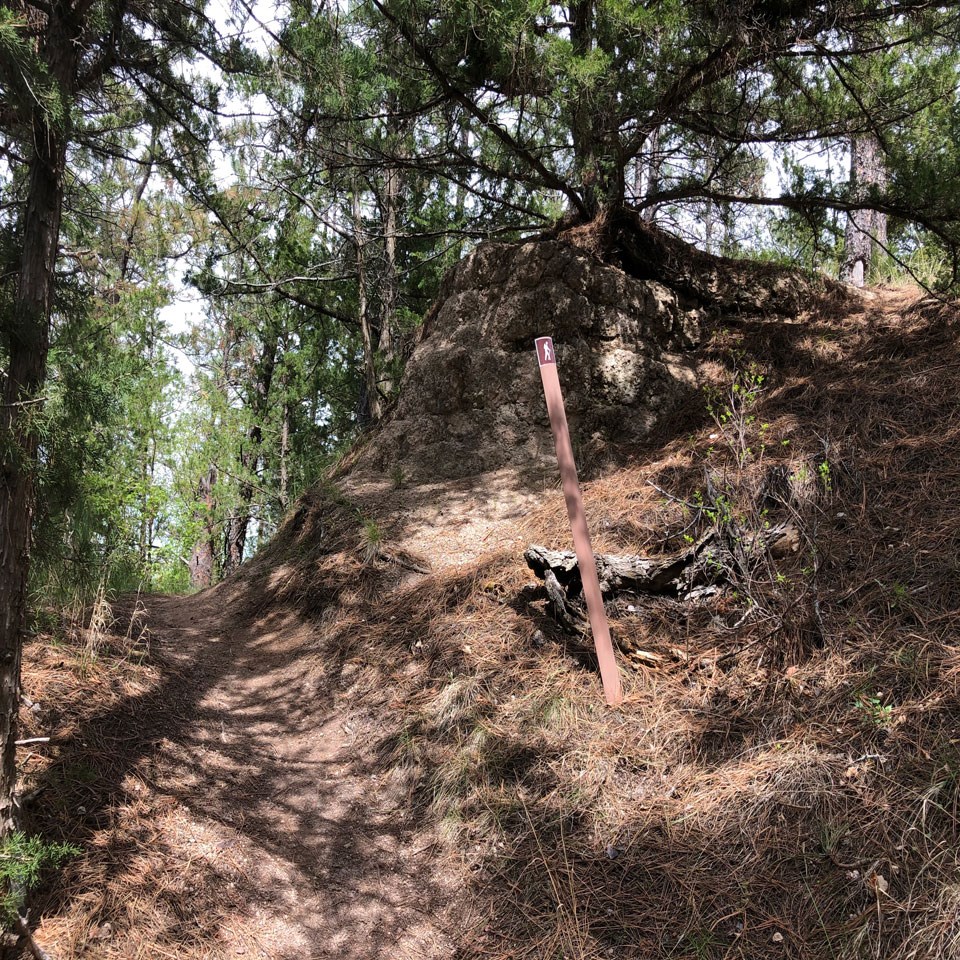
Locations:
(304, 178)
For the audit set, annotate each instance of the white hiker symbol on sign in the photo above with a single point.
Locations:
(546, 353)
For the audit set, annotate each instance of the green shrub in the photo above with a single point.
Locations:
(22, 861)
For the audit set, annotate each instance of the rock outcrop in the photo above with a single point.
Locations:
(626, 305)
(471, 399)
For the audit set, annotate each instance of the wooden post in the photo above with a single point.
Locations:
(547, 359)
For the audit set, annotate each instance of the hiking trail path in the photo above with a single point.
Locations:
(270, 805)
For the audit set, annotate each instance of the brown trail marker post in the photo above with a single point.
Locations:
(547, 359)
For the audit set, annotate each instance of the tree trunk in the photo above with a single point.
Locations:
(147, 451)
(709, 223)
(27, 334)
(202, 564)
(729, 243)
(620, 573)
(866, 232)
(460, 196)
(236, 534)
(284, 451)
(372, 404)
(239, 522)
(151, 479)
(391, 282)
(880, 241)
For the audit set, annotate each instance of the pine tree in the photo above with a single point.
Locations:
(63, 61)
(580, 96)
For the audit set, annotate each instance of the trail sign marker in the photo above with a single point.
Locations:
(547, 359)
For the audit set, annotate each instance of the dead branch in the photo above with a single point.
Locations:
(687, 575)
(619, 574)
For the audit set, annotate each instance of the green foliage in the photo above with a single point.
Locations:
(372, 540)
(922, 261)
(873, 710)
(704, 944)
(24, 76)
(23, 860)
(105, 438)
(825, 476)
(733, 410)
(813, 236)
(387, 140)
(693, 97)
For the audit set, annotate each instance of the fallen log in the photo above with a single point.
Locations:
(567, 616)
(705, 562)
(618, 574)
(692, 575)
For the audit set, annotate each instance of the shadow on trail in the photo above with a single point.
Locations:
(232, 789)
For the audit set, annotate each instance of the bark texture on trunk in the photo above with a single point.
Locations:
(866, 232)
(236, 535)
(372, 395)
(284, 451)
(391, 278)
(26, 331)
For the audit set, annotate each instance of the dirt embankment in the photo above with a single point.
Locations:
(627, 307)
(377, 742)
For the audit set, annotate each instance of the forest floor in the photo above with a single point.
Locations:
(234, 809)
(233, 801)
(375, 742)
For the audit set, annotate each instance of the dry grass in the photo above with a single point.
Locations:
(79, 689)
(784, 784)
(800, 799)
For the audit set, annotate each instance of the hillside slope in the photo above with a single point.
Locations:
(377, 742)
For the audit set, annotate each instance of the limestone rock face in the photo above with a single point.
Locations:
(471, 399)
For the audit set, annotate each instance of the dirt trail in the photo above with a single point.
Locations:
(278, 805)
(274, 812)
(237, 795)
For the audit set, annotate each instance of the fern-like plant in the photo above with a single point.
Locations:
(22, 862)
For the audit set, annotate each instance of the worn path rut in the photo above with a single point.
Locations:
(276, 793)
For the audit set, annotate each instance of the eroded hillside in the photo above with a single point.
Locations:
(376, 740)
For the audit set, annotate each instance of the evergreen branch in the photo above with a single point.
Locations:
(548, 177)
(803, 203)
